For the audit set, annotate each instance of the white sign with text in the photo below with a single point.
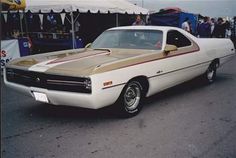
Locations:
(9, 50)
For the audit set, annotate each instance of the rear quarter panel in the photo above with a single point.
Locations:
(215, 48)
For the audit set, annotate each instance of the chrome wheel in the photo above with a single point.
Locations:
(129, 103)
(132, 96)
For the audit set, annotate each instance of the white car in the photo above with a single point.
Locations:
(123, 65)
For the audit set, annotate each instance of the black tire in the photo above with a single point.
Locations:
(129, 103)
(210, 74)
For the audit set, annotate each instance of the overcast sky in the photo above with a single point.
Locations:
(212, 8)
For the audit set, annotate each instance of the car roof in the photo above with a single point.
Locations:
(149, 27)
(162, 28)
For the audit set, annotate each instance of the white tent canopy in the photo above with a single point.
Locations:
(83, 6)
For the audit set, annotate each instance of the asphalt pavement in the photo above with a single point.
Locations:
(192, 120)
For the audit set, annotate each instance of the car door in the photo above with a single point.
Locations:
(177, 66)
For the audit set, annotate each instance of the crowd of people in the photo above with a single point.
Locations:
(213, 28)
(207, 28)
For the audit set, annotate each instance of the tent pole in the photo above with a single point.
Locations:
(117, 19)
(73, 29)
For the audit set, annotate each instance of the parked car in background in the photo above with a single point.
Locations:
(121, 67)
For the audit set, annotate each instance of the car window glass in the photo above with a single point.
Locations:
(130, 39)
(178, 39)
(113, 40)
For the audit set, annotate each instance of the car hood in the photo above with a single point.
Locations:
(82, 62)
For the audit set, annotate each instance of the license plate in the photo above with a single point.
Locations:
(40, 97)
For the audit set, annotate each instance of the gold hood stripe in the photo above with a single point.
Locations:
(72, 58)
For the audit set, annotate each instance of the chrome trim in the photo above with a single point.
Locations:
(67, 82)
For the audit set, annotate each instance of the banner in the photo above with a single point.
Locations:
(13, 4)
(41, 20)
(63, 16)
(9, 50)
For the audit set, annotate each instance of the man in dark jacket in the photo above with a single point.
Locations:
(220, 29)
(204, 29)
(233, 31)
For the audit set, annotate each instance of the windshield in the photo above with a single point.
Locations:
(130, 39)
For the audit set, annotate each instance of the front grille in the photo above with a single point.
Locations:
(48, 81)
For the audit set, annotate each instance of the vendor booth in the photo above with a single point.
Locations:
(67, 24)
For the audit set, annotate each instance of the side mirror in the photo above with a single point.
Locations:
(169, 48)
(88, 45)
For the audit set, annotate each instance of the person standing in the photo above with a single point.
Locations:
(185, 25)
(204, 29)
(138, 21)
(220, 29)
(233, 31)
(227, 29)
(212, 25)
(51, 23)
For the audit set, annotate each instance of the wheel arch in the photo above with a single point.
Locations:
(216, 61)
(143, 80)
